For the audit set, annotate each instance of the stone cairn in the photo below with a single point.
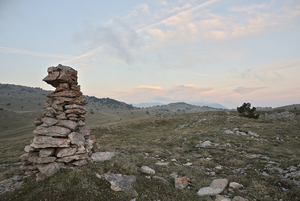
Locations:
(62, 139)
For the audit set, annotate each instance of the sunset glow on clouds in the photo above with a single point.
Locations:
(227, 52)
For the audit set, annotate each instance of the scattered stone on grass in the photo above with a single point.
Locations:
(10, 184)
(235, 185)
(161, 178)
(181, 182)
(120, 182)
(147, 170)
(216, 187)
(102, 156)
(239, 198)
(221, 198)
(162, 164)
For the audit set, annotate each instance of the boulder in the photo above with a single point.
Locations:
(102, 156)
(216, 187)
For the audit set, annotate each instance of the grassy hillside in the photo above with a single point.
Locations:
(267, 165)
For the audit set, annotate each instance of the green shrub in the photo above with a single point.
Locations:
(246, 111)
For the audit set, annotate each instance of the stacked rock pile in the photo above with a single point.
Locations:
(62, 138)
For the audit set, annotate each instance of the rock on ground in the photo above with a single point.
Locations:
(239, 198)
(102, 156)
(181, 182)
(10, 184)
(147, 170)
(120, 182)
(215, 188)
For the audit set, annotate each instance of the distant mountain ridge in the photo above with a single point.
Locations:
(151, 104)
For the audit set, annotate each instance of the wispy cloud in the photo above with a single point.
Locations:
(34, 53)
(246, 90)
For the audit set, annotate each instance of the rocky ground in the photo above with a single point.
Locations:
(200, 156)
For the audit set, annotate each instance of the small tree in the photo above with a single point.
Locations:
(246, 111)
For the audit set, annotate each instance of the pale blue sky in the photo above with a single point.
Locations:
(223, 51)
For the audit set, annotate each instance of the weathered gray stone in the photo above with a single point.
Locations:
(68, 159)
(28, 167)
(162, 164)
(62, 152)
(81, 123)
(52, 131)
(161, 178)
(120, 182)
(57, 107)
(102, 156)
(181, 182)
(216, 187)
(49, 121)
(61, 116)
(25, 156)
(84, 130)
(147, 170)
(36, 159)
(221, 198)
(76, 138)
(28, 148)
(50, 169)
(228, 131)
(10, 184)
(235, 185)
(80, 162)
(239, 198)
(67, 124)
(45, 142)
(254, 134)
(73, 106)
(47, 152)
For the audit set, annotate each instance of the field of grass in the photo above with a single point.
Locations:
(267, 166)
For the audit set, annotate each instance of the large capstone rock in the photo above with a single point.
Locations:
(61, 74)
(52, 131)
(45, 142)
(102, 156)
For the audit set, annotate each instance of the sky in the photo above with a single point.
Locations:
(138, 51)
